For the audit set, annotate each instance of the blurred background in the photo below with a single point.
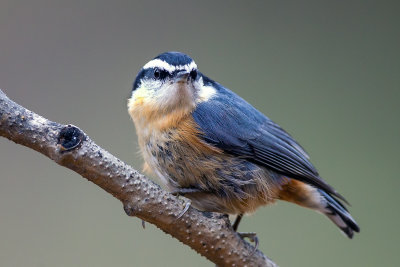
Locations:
(327, 71)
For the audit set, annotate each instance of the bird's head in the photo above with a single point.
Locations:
(168, 83)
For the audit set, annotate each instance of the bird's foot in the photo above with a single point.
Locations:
(252, 237)
(183, 191)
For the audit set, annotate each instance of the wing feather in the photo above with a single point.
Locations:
(230, 123)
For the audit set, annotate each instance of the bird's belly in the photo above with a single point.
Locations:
(223, 182)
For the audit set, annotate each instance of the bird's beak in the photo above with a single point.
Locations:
(181, 76)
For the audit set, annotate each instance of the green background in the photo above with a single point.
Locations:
(326, 71)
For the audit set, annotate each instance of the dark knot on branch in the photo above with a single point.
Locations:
(70, 137)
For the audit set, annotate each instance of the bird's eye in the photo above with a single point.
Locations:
(157, 73)
(193, 74)
(160, 74)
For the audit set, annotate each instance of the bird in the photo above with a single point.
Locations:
(208, 144)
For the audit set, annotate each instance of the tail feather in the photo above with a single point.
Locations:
(339, 215)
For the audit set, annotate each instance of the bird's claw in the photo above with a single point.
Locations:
(185, 209)
(253, 238)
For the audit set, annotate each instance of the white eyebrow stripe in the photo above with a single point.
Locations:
(158, 63)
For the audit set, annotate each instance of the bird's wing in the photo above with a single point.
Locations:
(230, 123)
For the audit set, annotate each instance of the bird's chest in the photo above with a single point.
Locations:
(178, 157)
(161, 156)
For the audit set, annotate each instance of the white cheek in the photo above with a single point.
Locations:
(152, 85)
(147, 90)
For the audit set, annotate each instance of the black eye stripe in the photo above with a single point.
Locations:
(159, 74)
(193, 74)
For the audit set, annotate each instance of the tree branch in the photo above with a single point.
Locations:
(210, 234)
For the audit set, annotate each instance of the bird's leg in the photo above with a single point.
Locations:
(237, 221)
(252, 236)
(181, 192)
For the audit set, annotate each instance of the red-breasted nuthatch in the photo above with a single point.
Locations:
(208, 144)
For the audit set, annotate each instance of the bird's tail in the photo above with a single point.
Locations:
(338, 214)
